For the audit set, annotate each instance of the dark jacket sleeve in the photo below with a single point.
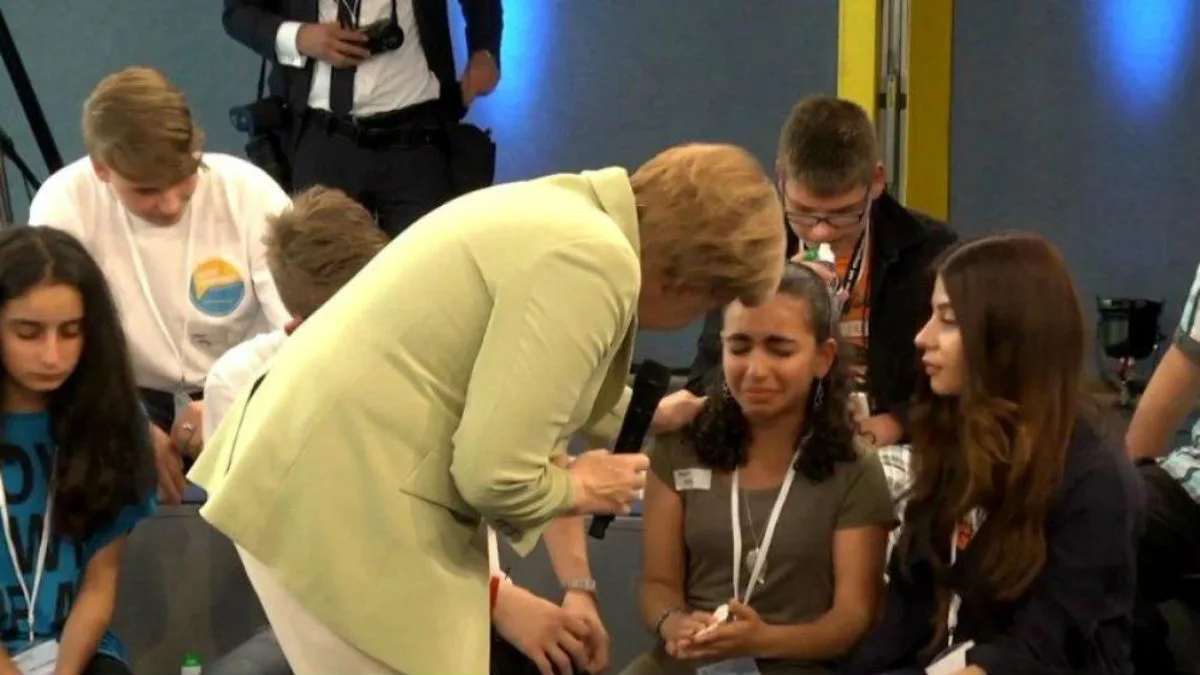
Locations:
(1078, 609)
(900, 387)
(706, 366)
(253, 23)
(902, 630)
(485, 24)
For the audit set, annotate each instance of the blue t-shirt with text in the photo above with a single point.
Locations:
(26, 454)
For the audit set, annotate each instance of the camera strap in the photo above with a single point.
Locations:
(262, 80)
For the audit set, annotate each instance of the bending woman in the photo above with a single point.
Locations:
(777, 444)
(427, 398)
(1017, 549)
(78, 471)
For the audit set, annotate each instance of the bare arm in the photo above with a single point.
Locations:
(92, 612)
(1169, 396)
(858, 567)
(663, 564)
(566, 542)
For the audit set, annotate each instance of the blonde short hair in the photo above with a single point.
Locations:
(317, 245)
(710, 219)
(139, 125)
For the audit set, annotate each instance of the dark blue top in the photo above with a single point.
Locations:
(1075, 619)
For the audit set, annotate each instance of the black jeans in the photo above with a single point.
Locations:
(1168, 551)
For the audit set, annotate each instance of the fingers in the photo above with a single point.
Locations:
(560, 659)
(542, 663)
(350, 53)
(599, 648)
(337, 32)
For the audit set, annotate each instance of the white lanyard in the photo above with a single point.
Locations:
(976, 519)
(144, 283)
(735, 520)
(30, 598)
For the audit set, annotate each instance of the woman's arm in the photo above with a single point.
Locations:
(551, 329)
(857, 569)
(92, 611)
(663, 562)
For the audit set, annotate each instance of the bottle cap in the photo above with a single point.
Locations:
(191, 664)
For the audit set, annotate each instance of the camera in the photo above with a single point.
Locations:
(264, 116)
(266, 122)
(384, 35)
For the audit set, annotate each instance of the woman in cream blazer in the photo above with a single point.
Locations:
(426, 399)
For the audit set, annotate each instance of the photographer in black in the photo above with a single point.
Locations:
(365, 98)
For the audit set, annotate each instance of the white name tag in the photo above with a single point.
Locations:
(39, 659)
(952, 661)
(693, 479)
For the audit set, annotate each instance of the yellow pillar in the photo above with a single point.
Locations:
(925, 169)
(858, 52)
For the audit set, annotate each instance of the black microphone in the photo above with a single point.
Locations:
(649, 386)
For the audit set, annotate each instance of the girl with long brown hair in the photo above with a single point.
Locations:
(1017, 552)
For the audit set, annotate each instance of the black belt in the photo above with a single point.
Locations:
(409, 128)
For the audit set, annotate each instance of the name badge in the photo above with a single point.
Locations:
(951, 662)
(39, 659)
(856, 328)
(693, 479)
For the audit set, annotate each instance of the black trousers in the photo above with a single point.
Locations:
(398, 183)
(1169, 550)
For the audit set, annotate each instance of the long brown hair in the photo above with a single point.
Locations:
(1002, 443)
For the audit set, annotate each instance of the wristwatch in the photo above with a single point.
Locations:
(585, 585)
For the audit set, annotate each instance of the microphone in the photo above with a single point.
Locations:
(649, 386)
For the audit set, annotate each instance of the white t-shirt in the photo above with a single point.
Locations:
(234, 371)
(189, 292)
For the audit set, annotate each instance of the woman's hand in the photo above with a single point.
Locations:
(607, 483)
(680, 626)
(539, 629)
(740, 636)
(582, 605)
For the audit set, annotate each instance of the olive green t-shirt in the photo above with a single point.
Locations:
(797, 583)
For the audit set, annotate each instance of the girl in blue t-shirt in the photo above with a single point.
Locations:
(77, 471)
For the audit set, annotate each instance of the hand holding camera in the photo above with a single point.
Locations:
(344, 47)
(330, 42)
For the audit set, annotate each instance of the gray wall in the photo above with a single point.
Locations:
(586, 84)
(1078, 120)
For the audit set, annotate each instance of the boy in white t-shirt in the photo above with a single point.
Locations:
(314, 248)
(179, 236)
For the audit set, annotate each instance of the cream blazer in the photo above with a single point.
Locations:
(424, 401)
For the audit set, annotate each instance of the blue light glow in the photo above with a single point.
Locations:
(524, 55)
(1145, 45)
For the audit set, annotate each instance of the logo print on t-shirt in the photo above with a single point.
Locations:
(216, 287)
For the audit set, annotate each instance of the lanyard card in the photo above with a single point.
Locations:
(952, 661)
(39, 659)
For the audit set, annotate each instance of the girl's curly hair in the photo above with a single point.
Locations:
(721, 433)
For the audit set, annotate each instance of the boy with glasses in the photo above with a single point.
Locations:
(832, 183)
